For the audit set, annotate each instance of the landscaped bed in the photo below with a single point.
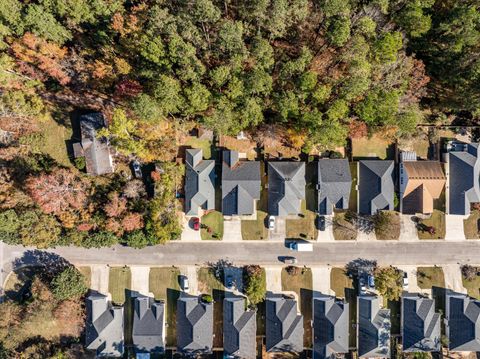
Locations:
(389, 229)
(302, 227)
(437, 221)
(429, 277)
(471, 225)
(343, 230)
(212, 226)
(120, 280)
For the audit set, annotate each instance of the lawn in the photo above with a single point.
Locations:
(163, 283)
(302, 285)
(303, 227)
(342, 229)
(374, 146)
(390, 231)
(472, 287)
(342, 286)
(470, 225)
(119, 280)
(437, 221)
(352, 203)
(428, 277)
(214, 221)
(418, 143)
(205, 145)
(87, 273)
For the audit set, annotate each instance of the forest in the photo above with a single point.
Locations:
(321, 70)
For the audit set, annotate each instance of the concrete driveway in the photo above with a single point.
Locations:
(140, 279)
(191, 273)
(321, 280)
(188, 233)
(280, 231)
(237, 277)
(100, 278)
(412, 279)
(454, 227)
(408, 229)
(453, 278)
(232, 230)
(327, 234)
(274, 279)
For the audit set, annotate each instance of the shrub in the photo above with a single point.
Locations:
(80, 163)
(293, 270)
(69, 284)
(469, 272)
(136, 239)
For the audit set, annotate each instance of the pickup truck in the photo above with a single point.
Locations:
(301, 246)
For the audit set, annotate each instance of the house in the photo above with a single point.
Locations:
(241, 185)
(104, 327)
(284, 326)
(194, 325)
(462, 322)
(333, 185)
(463, 166)
(420, 324)
(239, 329)
(199, 182)
(375, 186)
(95, 150)
(421, 182)
(330, 327)
(373, 337)
(286, 188)
(148, 333)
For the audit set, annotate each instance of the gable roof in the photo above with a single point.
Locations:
(284, 326)
(240, 184)
(462, 318)
(425, 182)
(334, 184)
(286, 187)
(373, 328)
(464, 174)
(104, 326)
(376, 188)
(330, 327)
(194, 325)
(98, 159)
(239, 329)
(148, 325)
(199, 182)
(420, 323)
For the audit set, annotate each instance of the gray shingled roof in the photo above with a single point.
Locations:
(462, 318)
(373, 328)
(96, 150)
(284, 326)
(240, 184)
(104, 326)
(239, 329)
(464, 174)
(194, 325)
(376, 188)
(420, 324)
(330, 327)
(286, 187)
(148, 325)
(334, 184)
(199, 182)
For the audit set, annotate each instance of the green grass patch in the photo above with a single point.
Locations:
(304, 226)
(428, 277)
(343, 230)
(255, 229)
(87, 273)
(375, 146)
(472, 287)
(213, 221)
(163, 283)
(301, 284)
(470, 225)
(204, 145)
(437, 221)
(119, 280)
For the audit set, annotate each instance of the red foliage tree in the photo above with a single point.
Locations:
(128, 88)
(132, 221)
(357, 129)
(116, 206)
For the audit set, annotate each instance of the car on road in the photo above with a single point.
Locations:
(271, 222)
(229, 282)
(301, 246)
(196, 223)
(289, 260)
(362, 288)
(321, 223)
(405, 280)
(371, 282)
(137, 170)
(184, 284)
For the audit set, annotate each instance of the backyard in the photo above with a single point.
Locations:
(376, 146)
(302, 227)
(204, 145)
(119, 281)
(471, 225)
(343, 230)
(437, 221)
(300, 282)
(212, 226)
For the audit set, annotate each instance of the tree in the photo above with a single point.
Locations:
(339, 31)
(389, 282)
(255, 283)
(69, 284)
(136, 239)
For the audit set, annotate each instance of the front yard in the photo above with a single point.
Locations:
(388, 225)
(471, 225)
(437, 222)
(343, 230)
(300, 282)
(429, 277)
(212, 226)
(119, 281)
(303, 227)
(257, 229)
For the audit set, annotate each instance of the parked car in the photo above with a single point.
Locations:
(301, 246)
(271, 222)
(289, 260)
(405, 280)
(184, 283)
(196, 223)
(371, 281)
(362, 288)
(137, 170)
(321, 223)
(229, 282)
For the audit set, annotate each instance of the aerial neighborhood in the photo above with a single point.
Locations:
(259, 179)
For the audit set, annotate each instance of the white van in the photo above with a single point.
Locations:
(301, 246)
